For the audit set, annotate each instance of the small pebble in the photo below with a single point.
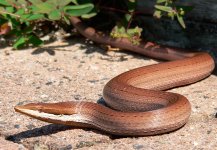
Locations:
(82, 144)
(44, 96)
(209, 131)
(205, 97)
(68, 147)
(93, 81)
(197, 107)
(68, 78)
(77, 97)
(17, 126)
(30, 126)
(49, 83)
(36, 73)
(138, 146)
(2, 123)
(7, 53)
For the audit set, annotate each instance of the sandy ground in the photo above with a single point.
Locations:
(77, 71)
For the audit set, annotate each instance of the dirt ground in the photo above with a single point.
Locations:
(75, 70)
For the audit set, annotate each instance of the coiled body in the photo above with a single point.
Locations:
(137, 102)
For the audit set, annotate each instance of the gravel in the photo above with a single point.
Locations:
(77, 70)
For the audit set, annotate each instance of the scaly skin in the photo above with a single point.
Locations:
(141, 106)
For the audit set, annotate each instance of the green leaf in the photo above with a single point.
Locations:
(171, 15)
(128, 16)
(55, 15)
(36, 2)
(160, 1)
(15, 23)
(181, 21)
(34, 40)
(66, 20)
(75, 2)
(92, 13)
(164, 8)
(32, 17)
(87, 16)
(43, 8)
(4, 2)
(62, 3)
(78, 10)
(10, 9)
(131, 5)
(157, 14)
(21, 11)
(20, 42)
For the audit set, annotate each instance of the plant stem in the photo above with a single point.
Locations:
(4, 12)
(131, 18)
(114, 9)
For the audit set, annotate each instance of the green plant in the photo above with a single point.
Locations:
(133, 34)
(169, 8)
(163, 8)
(21, 17)
(123, 28)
